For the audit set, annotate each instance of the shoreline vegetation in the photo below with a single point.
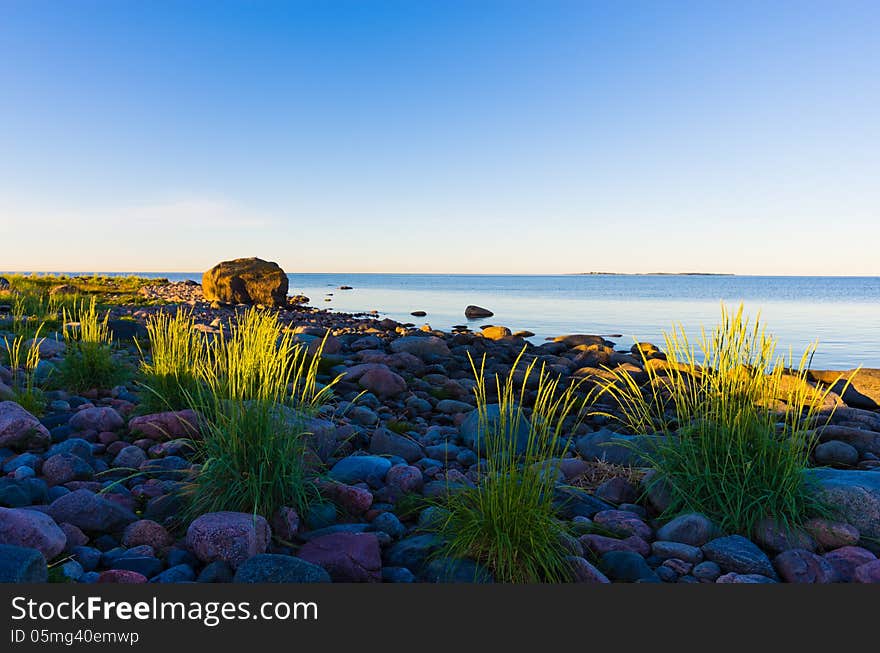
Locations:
(157, 431)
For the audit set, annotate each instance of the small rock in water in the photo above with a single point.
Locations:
(473, 312)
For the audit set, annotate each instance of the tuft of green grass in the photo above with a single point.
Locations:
(178, 354)
(23, 362)
(88, 361)
(508, 522)
(736, 419)
(256, 389)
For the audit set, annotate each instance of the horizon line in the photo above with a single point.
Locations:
(488, 274)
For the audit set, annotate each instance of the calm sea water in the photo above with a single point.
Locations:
(842, 313)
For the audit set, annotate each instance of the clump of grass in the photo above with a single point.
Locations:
(257, 388)
(23, 362)
(736, 420)
(88, 362)
(253, 457)
(508, 521)
(176, 362)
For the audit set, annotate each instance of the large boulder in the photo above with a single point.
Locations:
(246, 281)
(19, 429)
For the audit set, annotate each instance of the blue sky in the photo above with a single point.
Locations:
(498, 137)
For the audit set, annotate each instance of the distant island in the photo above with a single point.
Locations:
(668, 274)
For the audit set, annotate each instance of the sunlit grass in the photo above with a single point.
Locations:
(88, 362)
(508, 522)
(176, 361)
(254, 387)
(736, 420)
(23, 361)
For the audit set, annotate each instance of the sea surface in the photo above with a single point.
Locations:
(841, 313)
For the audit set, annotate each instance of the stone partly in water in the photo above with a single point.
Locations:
(473, 312)
(246, 281)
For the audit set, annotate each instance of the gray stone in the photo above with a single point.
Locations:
(20, 564)
(471, 436)
(835, 452)
(627, 567)
(33, 529)
(691, 528)
(627, 450)
(355, 469)
(90, 512)
(19, 429)
(854, 495)
(274, 568)
(388, 443)
(413, 552)
(679, 550)
(738, 554)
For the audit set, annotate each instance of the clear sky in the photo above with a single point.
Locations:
(416, 136)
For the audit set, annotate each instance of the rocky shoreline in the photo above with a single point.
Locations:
(89, 489)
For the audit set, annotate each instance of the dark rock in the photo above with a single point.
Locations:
(246, 281)
(274, 568)
(20, 564)
(853, 495)
(450, 570)
(347, 557)
(355, 469)
(19, 429)
(33, 529)
(474, 312)
(802, 566)
(691, 528)
(229, 536)
(216, 572)
(176, 574)
(413, 552)
(835, 452)
(470, 429)
(90, 512)
(847, 559)
(385, 442)
(737, 554)
(627, 567)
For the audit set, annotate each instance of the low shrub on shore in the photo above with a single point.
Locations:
(508, 521)
(736, 419)
(88, 361)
